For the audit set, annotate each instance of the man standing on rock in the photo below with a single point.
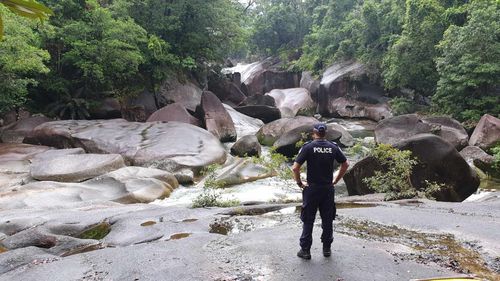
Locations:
(319, 191)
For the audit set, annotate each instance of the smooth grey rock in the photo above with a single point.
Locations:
(353, 178)
(244, 124)
(263, 112)
(286, 144)
(75, 168)
(216, 119)
(350, 108)
(174, 112)
(270, 132)
(310, 83)
(247, 146)
(185, 93)
(239, 170)
(292, 101)
(393, 130)
(346, 139)
(487, 133)
(16, 132)
(439, 161)
(169, 146)
(480, 159)
(14, 259)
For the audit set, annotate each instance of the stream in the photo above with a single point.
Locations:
(277, 190)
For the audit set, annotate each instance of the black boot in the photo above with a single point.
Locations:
(327, 251)
(304, 253)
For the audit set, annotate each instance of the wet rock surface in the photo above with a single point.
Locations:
(244, 124)
(216, 119)
(75, 168)
(171, 145)
(401, 127)
(247, 146)
(389, 241)
(174, 112)
(263, 112)
(271, 132)
(292, 101)
(487, 132)
(439, 161)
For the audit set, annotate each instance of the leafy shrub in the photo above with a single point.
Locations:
(496, 154)
(210, 197)
(276, 163)
(395, 179)
(402, 105)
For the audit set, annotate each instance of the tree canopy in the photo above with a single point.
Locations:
(447, 50)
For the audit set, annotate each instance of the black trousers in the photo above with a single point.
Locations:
(314, 198)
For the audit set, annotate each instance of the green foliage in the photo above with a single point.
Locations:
(279, 26)
(496, 154)
(395, 181)
(276, 163)
(402, 105)
(210, 197)
(69, 107)
(469, 64)
(210, 173)
(24, 8)
(432, 188)
(21, 60)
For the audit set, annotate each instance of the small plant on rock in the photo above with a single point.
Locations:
(276, 163)
(395, 181)
(210, 197)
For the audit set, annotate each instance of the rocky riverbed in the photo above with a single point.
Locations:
(373, 241)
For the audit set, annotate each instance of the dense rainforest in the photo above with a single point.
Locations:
(446, 52)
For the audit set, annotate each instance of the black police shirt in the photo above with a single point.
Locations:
(320, 156)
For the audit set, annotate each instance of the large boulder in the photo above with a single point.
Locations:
(487, 133)
(351, 108)
(246, 146)
(127, 185)
(260, 100)
(173, 91)
(216, 119)
(479, 158)
(346, 139)
(110, 108)
(17, 131)
(139, 108)
(226, 91)
(335, 83)
(286, 144)
(75, 168)
(448, 129)
(439, 161)
(245, 125)
(308, 82)
(170, 146)
(393, 130)
(265, 113)
(270, 132)
(261, 77)
(174, 112)
(353, 178)
(291, 101)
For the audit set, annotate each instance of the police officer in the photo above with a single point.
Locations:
(319, 191)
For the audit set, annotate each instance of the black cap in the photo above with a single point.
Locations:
(320, 127)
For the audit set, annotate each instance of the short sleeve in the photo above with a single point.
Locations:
(301, 157)
(339, 156)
